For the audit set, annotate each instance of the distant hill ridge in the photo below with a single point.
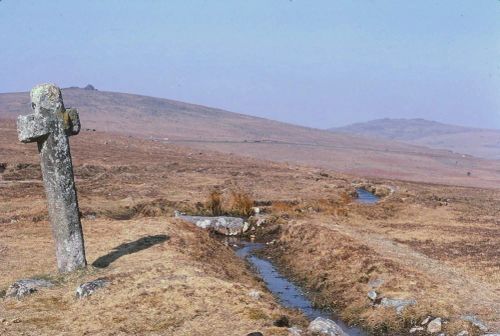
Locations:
(201, 127)
(474, 141)
(146, 116)
(401, 129)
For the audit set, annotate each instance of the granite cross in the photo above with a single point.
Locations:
(49, 126)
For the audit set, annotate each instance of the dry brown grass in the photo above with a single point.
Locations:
(420, 247)
(241, 204)
(189, 284)
(435, 243)
(214, 203)
(337, 269)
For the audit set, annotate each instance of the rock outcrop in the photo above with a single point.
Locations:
(25, 287)
(434, 326)
(90, 287)
(398, 304)
(229, 226)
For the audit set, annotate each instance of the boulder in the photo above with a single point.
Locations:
(25, 287)
(476, 322)
(90, 287)
(229, 226)
(323, 326)
(434, 326)
(294, 331)
(372, 295)
(398, 304)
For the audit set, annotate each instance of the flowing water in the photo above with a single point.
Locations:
(289, 294)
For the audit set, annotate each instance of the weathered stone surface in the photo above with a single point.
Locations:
(25, 287)
(90, 287)
(372, 295)
(49, 126)
(294, 331)
(254, 294)
(323, 326)
(398, 304)
(259, 220)
(229, 226)
(463, 333)
(476, 322)
(434, 326)
(415, 329)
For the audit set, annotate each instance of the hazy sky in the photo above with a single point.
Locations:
(317, 63)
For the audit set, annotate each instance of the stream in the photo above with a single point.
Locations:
(289, 295)
(366, 197)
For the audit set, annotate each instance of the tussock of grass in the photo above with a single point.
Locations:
(241, 204)
(214, 203)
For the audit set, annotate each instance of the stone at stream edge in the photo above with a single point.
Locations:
(229, 226)
(90, 287)
(326, 327)
(25, 287)
(254, 294)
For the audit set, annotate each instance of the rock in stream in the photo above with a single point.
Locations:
(326, 327)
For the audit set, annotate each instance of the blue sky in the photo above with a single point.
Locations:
(317, 63)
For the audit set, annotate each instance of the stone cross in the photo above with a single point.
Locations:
(49, 126)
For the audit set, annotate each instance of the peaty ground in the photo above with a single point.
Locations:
(433, 243)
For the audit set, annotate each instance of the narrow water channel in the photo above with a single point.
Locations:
(289, 294)
(366, 197)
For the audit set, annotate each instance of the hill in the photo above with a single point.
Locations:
(467, 140)
(209, 128)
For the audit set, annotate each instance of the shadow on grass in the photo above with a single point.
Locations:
(129, 248)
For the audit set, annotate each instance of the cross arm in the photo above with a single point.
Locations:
(32, 127)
